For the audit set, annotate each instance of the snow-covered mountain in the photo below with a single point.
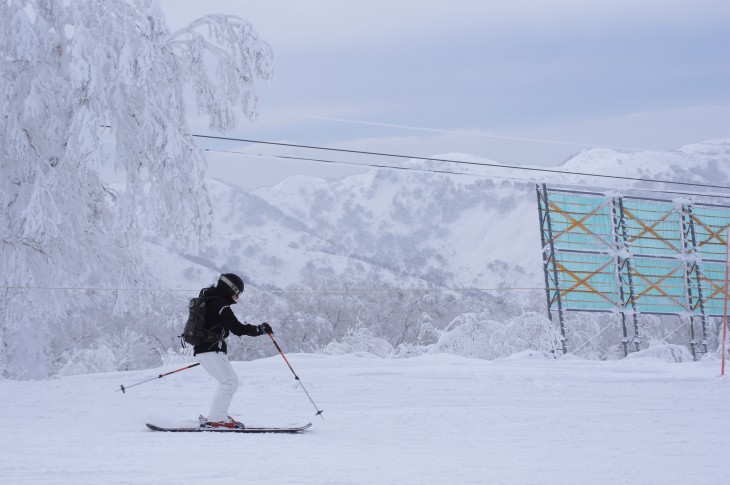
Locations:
(707, 162)
(405, 228)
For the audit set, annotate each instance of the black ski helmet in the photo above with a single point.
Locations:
(231, 283)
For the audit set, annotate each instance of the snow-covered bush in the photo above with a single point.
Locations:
(359, 340)
(667, 353)
(474, 335)
(594, 336)
(406, 350)
(469, 335)
(91, 360)
(529, 331)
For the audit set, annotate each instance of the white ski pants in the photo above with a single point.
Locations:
(218, 366)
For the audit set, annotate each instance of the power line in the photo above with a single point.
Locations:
(432, 159)
(340, 162)
(453, 172)
(338, 291)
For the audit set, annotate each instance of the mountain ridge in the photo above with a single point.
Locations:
(438, 229)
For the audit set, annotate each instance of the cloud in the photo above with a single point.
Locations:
(562, 70)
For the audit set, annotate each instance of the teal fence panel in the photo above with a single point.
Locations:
(581, 222)
(588, 281)
(659, 285)
(653, 228)
(675, 252)
(710, 227)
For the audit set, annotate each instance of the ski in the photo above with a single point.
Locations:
(154, 427)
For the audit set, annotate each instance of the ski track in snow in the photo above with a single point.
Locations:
(432, 419)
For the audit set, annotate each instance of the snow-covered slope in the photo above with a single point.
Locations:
(390, 227)
(433, 419)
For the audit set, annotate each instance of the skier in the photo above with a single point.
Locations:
(213, 356)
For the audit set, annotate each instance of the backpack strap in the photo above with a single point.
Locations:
(215, 343)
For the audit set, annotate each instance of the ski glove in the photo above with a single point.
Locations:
(265, 328)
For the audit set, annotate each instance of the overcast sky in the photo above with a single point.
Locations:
(520, 82)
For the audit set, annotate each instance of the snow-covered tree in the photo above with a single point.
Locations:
(72, 71)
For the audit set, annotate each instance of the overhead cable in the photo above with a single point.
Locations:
(454, 172)
(460, 162)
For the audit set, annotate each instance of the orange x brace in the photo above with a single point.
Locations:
(650, 229)
(718, 289)
(578, 222)
(584, 281)
(655, 285)
(711, 234)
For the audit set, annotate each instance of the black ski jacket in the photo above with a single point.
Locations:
(220, 318)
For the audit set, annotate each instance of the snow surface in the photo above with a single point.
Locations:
(430, 419)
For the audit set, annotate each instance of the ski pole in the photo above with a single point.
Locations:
(319, 412)
(122, 388)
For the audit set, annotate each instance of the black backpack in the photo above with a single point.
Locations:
(195, 332)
